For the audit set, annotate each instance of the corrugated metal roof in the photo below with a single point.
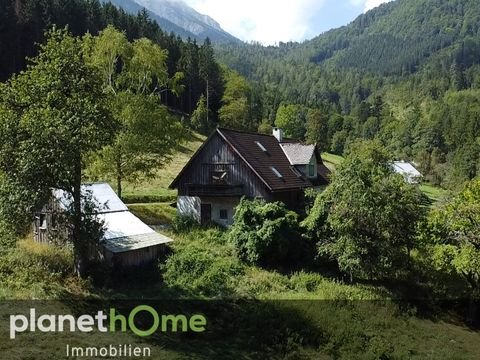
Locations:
(298, 154)
(135, 242)
(101, 192)
(403, 167)
(125, 232)
(407, 170)
(121, 224)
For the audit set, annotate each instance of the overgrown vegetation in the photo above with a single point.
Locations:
(369, 243)
(366, 218)
(267, 234)
(33, 270)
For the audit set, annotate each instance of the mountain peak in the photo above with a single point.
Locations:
(176, 16)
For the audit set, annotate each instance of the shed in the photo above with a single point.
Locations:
(127, 240)
(408, 171)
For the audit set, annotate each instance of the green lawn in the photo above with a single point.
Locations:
(154, 213)
(434, 193)
(331, 161)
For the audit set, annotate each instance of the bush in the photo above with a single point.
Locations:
(183, 224)
(7, 237)
(34, 267)
(202, 265)
(147, 199)
(267, 234)
(262, 283)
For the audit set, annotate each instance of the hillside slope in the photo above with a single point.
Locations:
(178, 17)
(406, 73)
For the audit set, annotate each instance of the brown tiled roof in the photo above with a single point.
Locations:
(261, 162)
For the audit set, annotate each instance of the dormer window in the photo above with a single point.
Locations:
(311, 170)
(276, 172)
(259, 144)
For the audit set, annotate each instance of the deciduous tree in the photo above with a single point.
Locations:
(51, 117)
(366, 218)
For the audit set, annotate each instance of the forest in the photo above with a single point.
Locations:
(327, 90)
(91, 93)
(406, 73)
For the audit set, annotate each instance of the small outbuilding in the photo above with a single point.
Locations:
(127, 241)
(408, 171)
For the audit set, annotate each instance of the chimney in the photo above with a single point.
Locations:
(278, 133)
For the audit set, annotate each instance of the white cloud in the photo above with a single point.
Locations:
(267, 21)
(370, 4)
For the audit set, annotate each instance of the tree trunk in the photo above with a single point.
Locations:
(119, 178)
(80, 256)
(472, 314)
(472, 311)
(119, 186)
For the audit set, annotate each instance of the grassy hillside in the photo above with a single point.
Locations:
(299, 315)
(156, 189)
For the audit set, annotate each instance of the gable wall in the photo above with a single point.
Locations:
(218, 155)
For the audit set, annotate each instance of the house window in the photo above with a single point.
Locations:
(296, 172)
(54, 221)
(223, 214)
(311, 170)
(43, 221)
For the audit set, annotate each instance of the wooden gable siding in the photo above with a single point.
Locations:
(217, 155)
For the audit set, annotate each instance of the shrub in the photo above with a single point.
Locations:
(202, 265)
(182, 224)
(262, 283)
(7, 237)
(266, 234)
(34, 267)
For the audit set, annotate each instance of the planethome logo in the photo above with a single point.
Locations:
(107, 322)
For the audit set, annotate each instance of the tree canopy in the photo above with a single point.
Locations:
(366, 218)
(52, 116)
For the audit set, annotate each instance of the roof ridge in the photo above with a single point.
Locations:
(260, 134)
(243, 131)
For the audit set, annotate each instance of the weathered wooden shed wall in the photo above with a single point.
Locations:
(135, 258)
(49, 225)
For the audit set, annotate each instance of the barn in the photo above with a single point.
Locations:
(127, 241)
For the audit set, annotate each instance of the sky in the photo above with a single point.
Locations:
(272, 21)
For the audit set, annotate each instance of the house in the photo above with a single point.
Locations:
(408, 171)
(232, 164)
(127, 241)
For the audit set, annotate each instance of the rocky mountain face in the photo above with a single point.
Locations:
(176, 16)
